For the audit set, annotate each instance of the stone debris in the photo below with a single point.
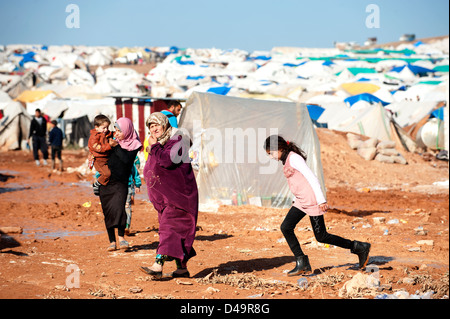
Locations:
(425, 242)
(372, 149)
(11, 230)
(361, 284)
(135, 290)
(379, 220)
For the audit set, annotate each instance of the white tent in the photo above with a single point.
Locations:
(80, 77)
(228, 135)
(14, 126)
(372, 121)
(411, 112)
(99, 58)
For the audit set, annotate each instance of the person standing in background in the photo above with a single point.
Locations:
(38, 136)
(172, 112)
(55, 139)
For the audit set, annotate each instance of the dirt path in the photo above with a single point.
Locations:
(241, 251)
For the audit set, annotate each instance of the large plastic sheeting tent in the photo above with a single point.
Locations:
(228, 135)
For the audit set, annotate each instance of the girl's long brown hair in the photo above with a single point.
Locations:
(278, 143)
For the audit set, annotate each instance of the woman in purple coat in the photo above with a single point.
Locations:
(173, 191)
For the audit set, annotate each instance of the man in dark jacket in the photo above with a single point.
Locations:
(55, 139)
(38, 133)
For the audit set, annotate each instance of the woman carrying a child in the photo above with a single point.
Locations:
(113, 195)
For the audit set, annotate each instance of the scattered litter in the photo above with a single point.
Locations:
(393, 221)
(405, 295)
(87, 204)
(302, 283)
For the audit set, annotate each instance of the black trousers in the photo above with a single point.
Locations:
(39, 143)
(56, 152)
(112, 233)
(294, 216)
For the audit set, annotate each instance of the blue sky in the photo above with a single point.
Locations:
(243, 24)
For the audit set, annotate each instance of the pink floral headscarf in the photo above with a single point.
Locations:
(131, 140)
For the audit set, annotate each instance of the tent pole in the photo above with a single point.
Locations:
(141, 120)
(119, 112)
(128, 105)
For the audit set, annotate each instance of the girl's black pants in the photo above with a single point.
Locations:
(294, 216)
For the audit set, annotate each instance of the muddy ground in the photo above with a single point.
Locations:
(241, 251)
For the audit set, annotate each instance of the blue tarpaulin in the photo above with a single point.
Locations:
(315, 111)
(221, 90)
(261, 57)
(188, 62)
(189, 77)
(364, 97)
(26, 57)
(414, 69)
(439, 113)
(294, 65)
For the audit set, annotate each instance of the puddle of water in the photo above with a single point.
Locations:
(12, 189)
(8, 172)
(41, 233)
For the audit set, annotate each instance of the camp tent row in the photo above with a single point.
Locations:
(236, 99)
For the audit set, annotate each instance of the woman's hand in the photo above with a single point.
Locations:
(323, 207)
(151, 140)
(113, 142)
(137, 190)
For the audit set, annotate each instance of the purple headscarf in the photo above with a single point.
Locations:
(131, 140)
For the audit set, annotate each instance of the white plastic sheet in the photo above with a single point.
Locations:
(228, 135)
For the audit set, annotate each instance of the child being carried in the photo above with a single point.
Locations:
(99, 150)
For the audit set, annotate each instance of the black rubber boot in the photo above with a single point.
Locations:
(302, 266)
(362, 250)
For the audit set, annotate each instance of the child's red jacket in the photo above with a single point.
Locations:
(98, 143)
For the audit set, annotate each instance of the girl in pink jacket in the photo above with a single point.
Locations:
(309, 200)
